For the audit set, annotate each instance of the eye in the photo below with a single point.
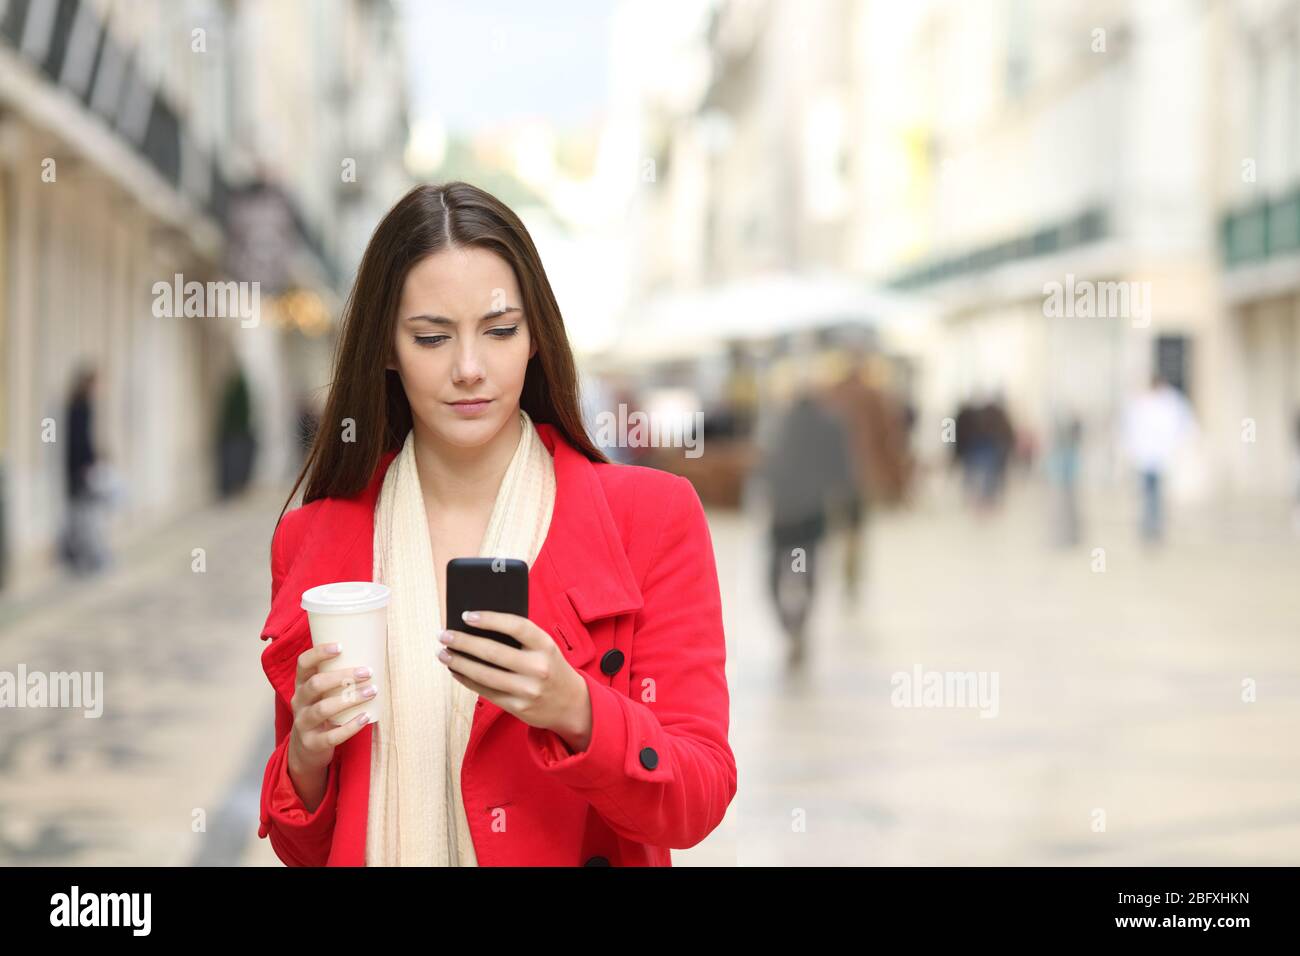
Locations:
(429, 340)
(504, 332)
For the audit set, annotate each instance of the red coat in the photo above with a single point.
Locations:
(627, 586)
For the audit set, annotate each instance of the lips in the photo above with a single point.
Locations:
(470, 407)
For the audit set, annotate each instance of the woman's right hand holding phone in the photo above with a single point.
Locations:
(314, 735)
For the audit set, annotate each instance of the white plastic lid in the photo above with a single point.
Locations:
(345, 597)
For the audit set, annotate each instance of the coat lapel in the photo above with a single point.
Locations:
(582, 570)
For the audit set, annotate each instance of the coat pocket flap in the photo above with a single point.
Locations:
(572, 636)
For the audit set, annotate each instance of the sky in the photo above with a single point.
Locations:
(479, 64)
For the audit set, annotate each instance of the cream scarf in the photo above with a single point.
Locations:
(417, 814)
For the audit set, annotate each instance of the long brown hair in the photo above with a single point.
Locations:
(426, 220)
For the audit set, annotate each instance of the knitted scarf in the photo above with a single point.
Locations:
(417, 815)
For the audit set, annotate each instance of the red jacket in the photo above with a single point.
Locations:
(627, 586)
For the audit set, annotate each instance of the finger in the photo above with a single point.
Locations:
(493, 695)
(316, 687)
(503, 682)
(338, 735)
(322, 682)
(311, 658)
(358, 692)
(520, 628)
(486, 649)
(324, 709)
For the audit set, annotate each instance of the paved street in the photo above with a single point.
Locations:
(1119, 694)
(157, 778)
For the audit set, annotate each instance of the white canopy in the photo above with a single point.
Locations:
(700, 322)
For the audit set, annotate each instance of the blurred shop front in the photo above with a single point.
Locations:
(103, 192)
(108, 193)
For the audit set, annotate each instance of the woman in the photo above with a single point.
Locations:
(453, 429)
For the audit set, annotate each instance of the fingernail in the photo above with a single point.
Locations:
(445, 637)
(363, 719)
(362, 672)
(331, 648)
(369, 691)
(444, 656)
(470, 616)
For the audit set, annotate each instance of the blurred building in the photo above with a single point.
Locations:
(212, 139)
(1256, 151)
(751, 153)
(1019, 156)
(1085, 194)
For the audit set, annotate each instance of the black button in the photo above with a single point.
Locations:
(597, 861)
(611, 661)
(649, 759)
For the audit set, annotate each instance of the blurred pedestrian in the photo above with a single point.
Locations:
(1063, 471)
(847, 397)
(81, 545)
(1157, 423)
(964, 426)
(875, 457)
(236, 442)
(740, 392)
(1000, 438)
(804, 465)
(985, 442)
(886, 455)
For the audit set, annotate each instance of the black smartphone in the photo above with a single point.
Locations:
(486, 584)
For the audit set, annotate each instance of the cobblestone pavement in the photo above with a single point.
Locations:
(151, 780)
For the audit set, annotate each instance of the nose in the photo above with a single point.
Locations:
(466, 368)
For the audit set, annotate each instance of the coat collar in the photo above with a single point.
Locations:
(583, 554)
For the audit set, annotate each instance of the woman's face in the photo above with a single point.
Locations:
(461, 334)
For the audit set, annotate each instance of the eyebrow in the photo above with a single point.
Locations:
(443, 320)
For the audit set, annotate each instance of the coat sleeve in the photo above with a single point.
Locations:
(300, 837)
(658, 767)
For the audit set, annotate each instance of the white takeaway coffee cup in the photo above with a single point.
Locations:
(353, 614)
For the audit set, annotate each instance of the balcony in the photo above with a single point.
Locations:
(1261, 231)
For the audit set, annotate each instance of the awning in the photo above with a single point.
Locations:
(701, 322)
